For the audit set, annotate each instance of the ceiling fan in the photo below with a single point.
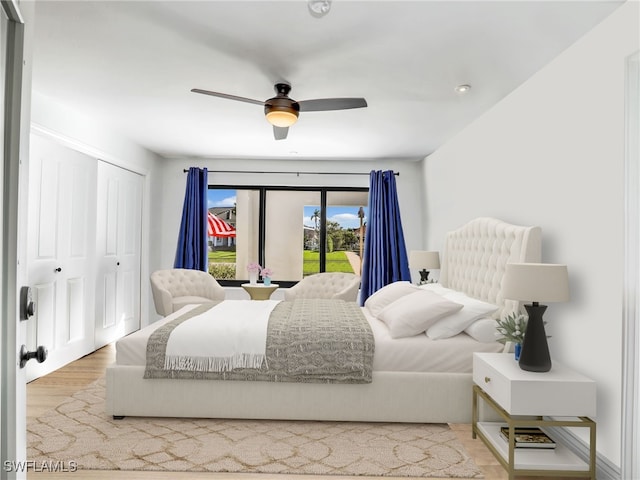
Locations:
(282, 111)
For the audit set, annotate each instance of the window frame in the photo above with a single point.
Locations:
(263, 189)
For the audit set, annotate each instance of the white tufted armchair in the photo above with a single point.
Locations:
(339, 285)
(175, 288)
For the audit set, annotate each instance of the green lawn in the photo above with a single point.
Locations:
(336, 261)
(222, 257)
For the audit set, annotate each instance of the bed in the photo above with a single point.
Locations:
(406, 386)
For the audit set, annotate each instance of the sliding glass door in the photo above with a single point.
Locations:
(291, 237)
(294, 231)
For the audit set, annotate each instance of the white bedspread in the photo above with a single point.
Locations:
(412, 354)
(232, 334)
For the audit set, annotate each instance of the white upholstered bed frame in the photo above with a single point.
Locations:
(473, 261)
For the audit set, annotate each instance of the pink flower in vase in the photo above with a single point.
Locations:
(254, 268)
(266, 276)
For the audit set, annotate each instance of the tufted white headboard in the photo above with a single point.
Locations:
(475, 255)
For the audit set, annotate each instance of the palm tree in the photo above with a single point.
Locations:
(315, 217)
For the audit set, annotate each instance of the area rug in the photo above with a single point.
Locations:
(78, 430)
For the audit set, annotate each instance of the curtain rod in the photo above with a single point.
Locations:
(288, 173)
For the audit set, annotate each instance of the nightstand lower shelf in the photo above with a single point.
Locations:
(559, 461)
(532, 459)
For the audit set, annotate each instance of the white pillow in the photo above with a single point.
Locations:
(451, 325)
(437, 288)
(387, 295)
(483, 330)
(414, 313)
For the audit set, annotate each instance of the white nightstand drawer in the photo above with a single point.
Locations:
(491, 381)
(559, 392)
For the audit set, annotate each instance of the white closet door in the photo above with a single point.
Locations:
(118, 235)
(61, 252)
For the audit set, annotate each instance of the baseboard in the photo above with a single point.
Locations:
(605, 470)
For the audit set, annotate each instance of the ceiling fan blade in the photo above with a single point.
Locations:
(225, 95)
(322, 104)
(280, 133)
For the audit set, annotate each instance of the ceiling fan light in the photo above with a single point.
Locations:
(282, 118)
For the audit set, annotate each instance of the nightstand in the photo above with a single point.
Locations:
(558, 398)
(260, 291)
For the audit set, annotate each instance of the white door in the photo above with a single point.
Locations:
(5, 289)
(13, 202)
(118, 234)
(61, 253)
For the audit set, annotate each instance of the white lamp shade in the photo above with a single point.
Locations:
(423, 259)
(536, 282)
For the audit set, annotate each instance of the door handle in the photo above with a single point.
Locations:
(27, 305)
(40, 355)
(58, 270)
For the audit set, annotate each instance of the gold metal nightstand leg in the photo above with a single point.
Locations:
(474, 413)
(592, 446)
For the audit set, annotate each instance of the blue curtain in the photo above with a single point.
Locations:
(192, 238)
(385, 254)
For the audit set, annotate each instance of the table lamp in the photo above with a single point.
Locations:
(535, 282)
(423, 260)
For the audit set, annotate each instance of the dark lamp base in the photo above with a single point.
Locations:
(424, 275)
(535, 350)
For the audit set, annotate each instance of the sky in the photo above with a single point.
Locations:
(346, 217)
(221, 198)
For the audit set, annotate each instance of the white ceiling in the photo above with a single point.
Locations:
(132, 64)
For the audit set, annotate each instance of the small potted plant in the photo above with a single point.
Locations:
(511, 329)
(266, 276)
(253, 269)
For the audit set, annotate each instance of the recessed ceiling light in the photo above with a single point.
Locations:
(463, 88)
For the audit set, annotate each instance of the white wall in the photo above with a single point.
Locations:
(552, 154)
(76, 130)
(174, 181)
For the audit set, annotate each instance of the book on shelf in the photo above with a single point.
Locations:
(529, 437)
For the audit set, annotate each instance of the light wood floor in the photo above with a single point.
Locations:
(48, 391)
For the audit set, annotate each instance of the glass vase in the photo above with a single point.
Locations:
(253, 278)
(517, 348)
(267, 281)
